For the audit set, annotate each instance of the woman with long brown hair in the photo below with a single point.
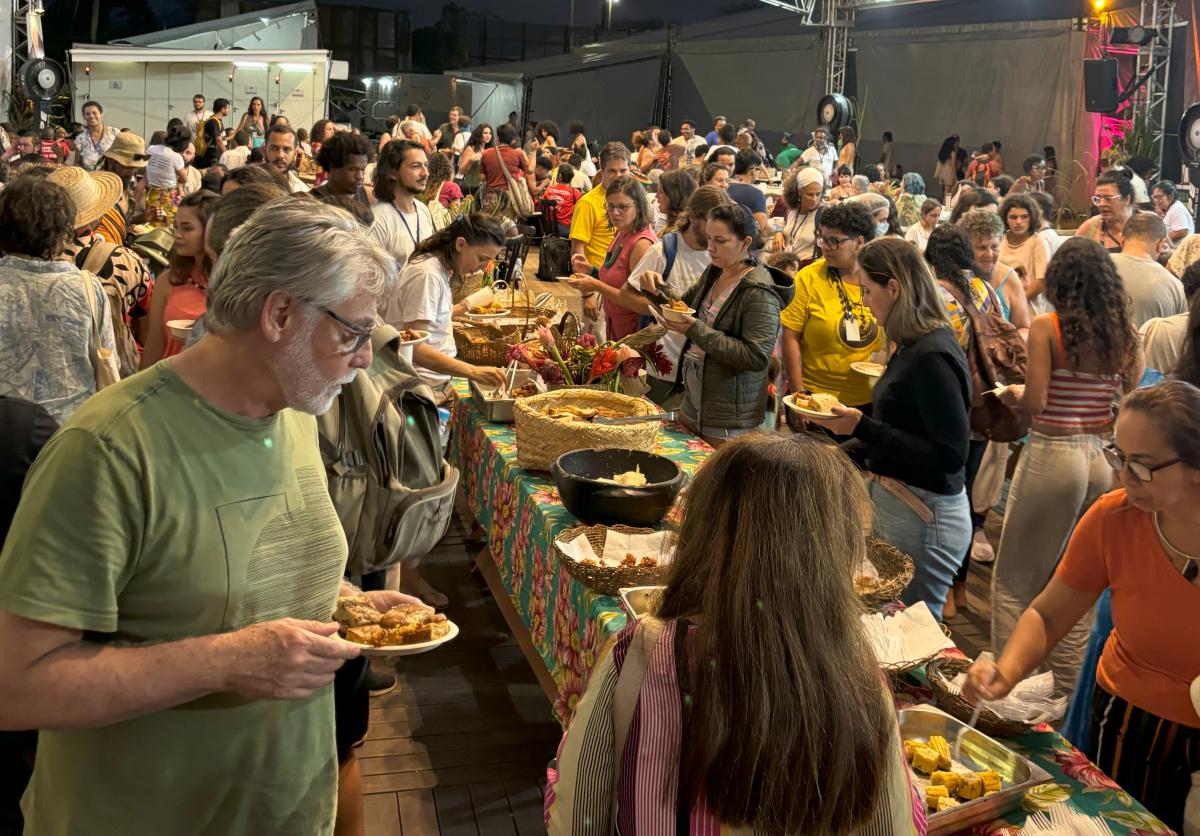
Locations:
(180, 291)
(717, 712)
(1080, 358)
(254, 122)
(916, 439)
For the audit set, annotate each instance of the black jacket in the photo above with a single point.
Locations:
(921, 423)
(738, 346)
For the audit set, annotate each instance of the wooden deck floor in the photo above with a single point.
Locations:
(461, 746)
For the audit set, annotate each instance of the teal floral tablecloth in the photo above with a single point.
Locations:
(521, 514)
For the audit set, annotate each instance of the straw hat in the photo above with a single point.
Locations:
(129, 150)
(92, 192)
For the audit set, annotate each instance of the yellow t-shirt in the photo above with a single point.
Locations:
(815, 313)
(590, 225)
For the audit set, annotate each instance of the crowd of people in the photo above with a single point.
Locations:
(183, 305)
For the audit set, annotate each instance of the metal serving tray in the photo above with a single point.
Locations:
(979, 752)
(640, 600)
(500, 411)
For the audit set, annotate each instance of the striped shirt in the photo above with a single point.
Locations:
(1080, 402)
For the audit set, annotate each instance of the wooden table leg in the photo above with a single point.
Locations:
(487, 569)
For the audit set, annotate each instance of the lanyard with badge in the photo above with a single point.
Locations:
(416, 239)
(857, 328)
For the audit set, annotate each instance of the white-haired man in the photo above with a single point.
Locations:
(167, 584)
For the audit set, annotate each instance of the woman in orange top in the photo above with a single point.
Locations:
(1142, 542)
(182, 294)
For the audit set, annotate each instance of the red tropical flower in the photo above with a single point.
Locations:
(1075, 764)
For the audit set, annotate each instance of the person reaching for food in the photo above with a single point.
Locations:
(1142, 542)
(915, 441)
(713, 713)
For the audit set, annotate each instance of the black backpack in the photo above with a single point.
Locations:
(555, 258)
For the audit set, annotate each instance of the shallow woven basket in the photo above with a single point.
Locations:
(895, 573)
(541, 440)
(941, 672)
(485, 345)
(606, 579)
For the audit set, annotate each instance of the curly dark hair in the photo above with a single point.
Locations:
(851, 219)
(37, 218)
(974, 199)
(1093, 310)
(548, 127)
(336, 151)
(949, 253)
(1022, 201)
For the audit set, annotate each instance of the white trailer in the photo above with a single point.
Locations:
(141, 88)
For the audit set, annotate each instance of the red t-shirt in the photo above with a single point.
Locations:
(492, 173)
(1151, 656)
(566, 195)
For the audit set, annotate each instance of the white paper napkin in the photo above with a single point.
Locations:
(617, 544)
(1030, 701)
(907, 636)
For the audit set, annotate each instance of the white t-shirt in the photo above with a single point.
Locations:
(689, 266)
(824, 162)
(1162, 341)
(422, 293)
(1141, 195)
(399, 234)
(1178, 218)
(588, 168)
(1153, 291)
(917, 235)
(1052, 238)
(235, 157)
(162, 168)
(192, 119)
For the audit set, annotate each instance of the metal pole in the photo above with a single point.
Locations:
(95, 20)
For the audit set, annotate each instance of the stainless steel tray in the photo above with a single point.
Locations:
(499, 411)
(639, 601)
(979, 752)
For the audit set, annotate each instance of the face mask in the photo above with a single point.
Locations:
(881, 229)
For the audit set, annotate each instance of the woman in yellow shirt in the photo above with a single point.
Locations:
(827, 327)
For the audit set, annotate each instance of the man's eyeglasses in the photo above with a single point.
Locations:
(1097, 199)
(356, 337)
(830, 243)
(1139, 471)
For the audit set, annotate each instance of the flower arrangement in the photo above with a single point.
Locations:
(588, 361)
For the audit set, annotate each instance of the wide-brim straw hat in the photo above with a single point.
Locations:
(129, 150)
(92, 192)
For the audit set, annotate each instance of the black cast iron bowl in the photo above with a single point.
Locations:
(602, 503)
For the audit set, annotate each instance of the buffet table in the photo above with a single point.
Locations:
(560, 624)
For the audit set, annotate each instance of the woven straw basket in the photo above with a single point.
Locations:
(895, 573)
(541, 440)
(606, 579)
(941, 673)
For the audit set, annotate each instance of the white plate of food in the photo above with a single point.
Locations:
(817, 405)
(409, 336)
(404, 630)
(676, 311)
(181, 329)
(865, 367)
(488, 312)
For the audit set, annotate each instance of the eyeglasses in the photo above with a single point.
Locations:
(618, 207)
(1097, 199)
(832, 243)
(1139, 471)
(357, 337)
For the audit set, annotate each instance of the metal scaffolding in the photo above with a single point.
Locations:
(839, 23)
(1154, 64)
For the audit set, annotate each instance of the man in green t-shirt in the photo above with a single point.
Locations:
(167, 584)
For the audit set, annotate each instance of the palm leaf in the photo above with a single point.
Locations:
(646, 336)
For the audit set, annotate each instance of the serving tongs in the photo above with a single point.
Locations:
(656, 298)
(634, 419)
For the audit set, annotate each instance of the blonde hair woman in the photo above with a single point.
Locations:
(916, 442)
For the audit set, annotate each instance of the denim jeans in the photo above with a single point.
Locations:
(936, 547)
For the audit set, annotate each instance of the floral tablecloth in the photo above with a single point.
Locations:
(521, 513)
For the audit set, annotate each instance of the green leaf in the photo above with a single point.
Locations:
(1041, 797)
(1136, 820)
